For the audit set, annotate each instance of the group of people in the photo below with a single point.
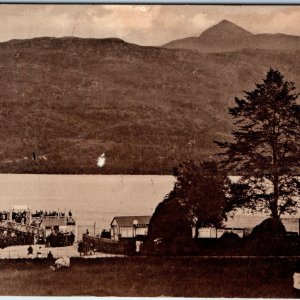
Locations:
(60, 239)
(41, 213)
(19, 217)
(86, 248)
(58, 263)
(22, 217)
(38, 253)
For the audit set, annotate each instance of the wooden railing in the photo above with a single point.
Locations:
(22, 228)
(49, 217)
(109, 246)
(67, 219)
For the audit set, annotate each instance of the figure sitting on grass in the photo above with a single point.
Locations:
(39, 253)
(63, 262)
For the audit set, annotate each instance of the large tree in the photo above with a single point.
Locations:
(197, 200)
(201, 190)
(266, 147)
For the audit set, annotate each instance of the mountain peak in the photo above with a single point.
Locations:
(227, 36)
(225, 30)
(226, 23)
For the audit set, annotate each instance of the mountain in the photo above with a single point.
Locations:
(226, 36)
(69, 100)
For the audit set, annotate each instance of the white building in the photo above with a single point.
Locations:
(243, 224)
(129, 227)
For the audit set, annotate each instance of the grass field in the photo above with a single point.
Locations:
(141, 276)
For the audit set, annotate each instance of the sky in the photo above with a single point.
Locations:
(140, 24)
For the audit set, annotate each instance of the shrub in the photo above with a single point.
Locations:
(228, 236)
(269, 228)
(268, 237)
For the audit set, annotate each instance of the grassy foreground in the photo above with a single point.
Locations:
(141, 276)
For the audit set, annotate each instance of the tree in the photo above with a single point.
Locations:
(168, 226)
(266, 147)
(197, 199)
(201, 190)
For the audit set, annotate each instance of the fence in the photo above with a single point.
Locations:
(110, 246)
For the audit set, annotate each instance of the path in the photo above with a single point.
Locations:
(15, 252)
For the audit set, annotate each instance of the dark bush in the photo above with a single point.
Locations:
(268, 238)
(229, 244)
(269, 228)
(228, 236)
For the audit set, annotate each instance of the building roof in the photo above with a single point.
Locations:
(49, 222)
(128, 221)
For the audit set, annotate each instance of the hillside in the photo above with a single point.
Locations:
(70, 99)
(227, 36)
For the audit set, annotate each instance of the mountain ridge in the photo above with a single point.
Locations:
(147, 108)
(227, 36)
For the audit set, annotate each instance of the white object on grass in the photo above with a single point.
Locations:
(62, 262)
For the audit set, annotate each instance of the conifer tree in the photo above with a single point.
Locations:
(265, 149)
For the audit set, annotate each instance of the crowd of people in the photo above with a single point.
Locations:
(60, 239)
(57, 238)
(22, 216)
(18, 217)
(38, 215)
(41, 213)
(86, 248)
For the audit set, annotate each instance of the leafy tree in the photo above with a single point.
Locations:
(201, 190)
(168, 226)
(196, 200)
(266, 147)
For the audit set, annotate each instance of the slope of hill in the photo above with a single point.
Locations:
(147, 108)
(227, 36)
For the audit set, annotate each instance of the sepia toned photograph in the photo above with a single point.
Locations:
(150, 150)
